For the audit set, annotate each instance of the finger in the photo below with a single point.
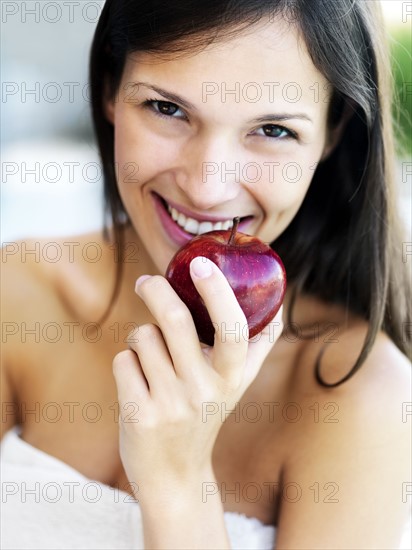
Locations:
(155, 361)
(131, 383)
(175, 322)
(231, 330)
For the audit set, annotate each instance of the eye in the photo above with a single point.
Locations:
(164, 108)
(276, 131)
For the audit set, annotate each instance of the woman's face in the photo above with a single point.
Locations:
(235, 130)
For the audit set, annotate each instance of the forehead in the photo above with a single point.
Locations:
(269, 60)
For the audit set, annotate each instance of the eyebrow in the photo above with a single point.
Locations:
(189, 106)
(169, 95)
(282, 116)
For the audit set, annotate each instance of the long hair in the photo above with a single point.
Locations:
(344, 244)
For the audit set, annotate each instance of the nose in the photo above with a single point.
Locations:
(210, 172)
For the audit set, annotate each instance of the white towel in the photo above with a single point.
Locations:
(47, 504)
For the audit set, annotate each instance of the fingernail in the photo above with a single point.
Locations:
(201, 267)
(140, 280)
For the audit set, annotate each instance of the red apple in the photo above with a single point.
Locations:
(254, 271)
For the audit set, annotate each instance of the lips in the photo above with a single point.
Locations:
(173, 217)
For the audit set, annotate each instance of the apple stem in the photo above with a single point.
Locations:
(234, 229)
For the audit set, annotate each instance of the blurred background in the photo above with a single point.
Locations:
(51, 175)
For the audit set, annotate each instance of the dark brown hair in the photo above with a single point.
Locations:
(344, 245)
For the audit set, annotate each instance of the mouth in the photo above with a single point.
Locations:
(182, 227)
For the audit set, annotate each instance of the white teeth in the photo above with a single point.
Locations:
(181, 220)
(193, 226)
(204, 227)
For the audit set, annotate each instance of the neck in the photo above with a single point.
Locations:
(128, 307)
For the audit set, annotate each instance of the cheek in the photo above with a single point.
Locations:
(282, 197)
(139, 154)
(285, 184)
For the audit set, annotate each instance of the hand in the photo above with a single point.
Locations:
(171, 377)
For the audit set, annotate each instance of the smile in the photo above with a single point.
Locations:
(181, 227)
(196, 227)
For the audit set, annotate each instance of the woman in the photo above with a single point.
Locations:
(296, 438)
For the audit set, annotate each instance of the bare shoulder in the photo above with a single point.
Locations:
(350, 457)
(45, 283)
(384, 376)
(42, 282)
(377, 395)
(43, 256)
(68, 269)
(25, 279)
(25, 297)
(386, 371)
